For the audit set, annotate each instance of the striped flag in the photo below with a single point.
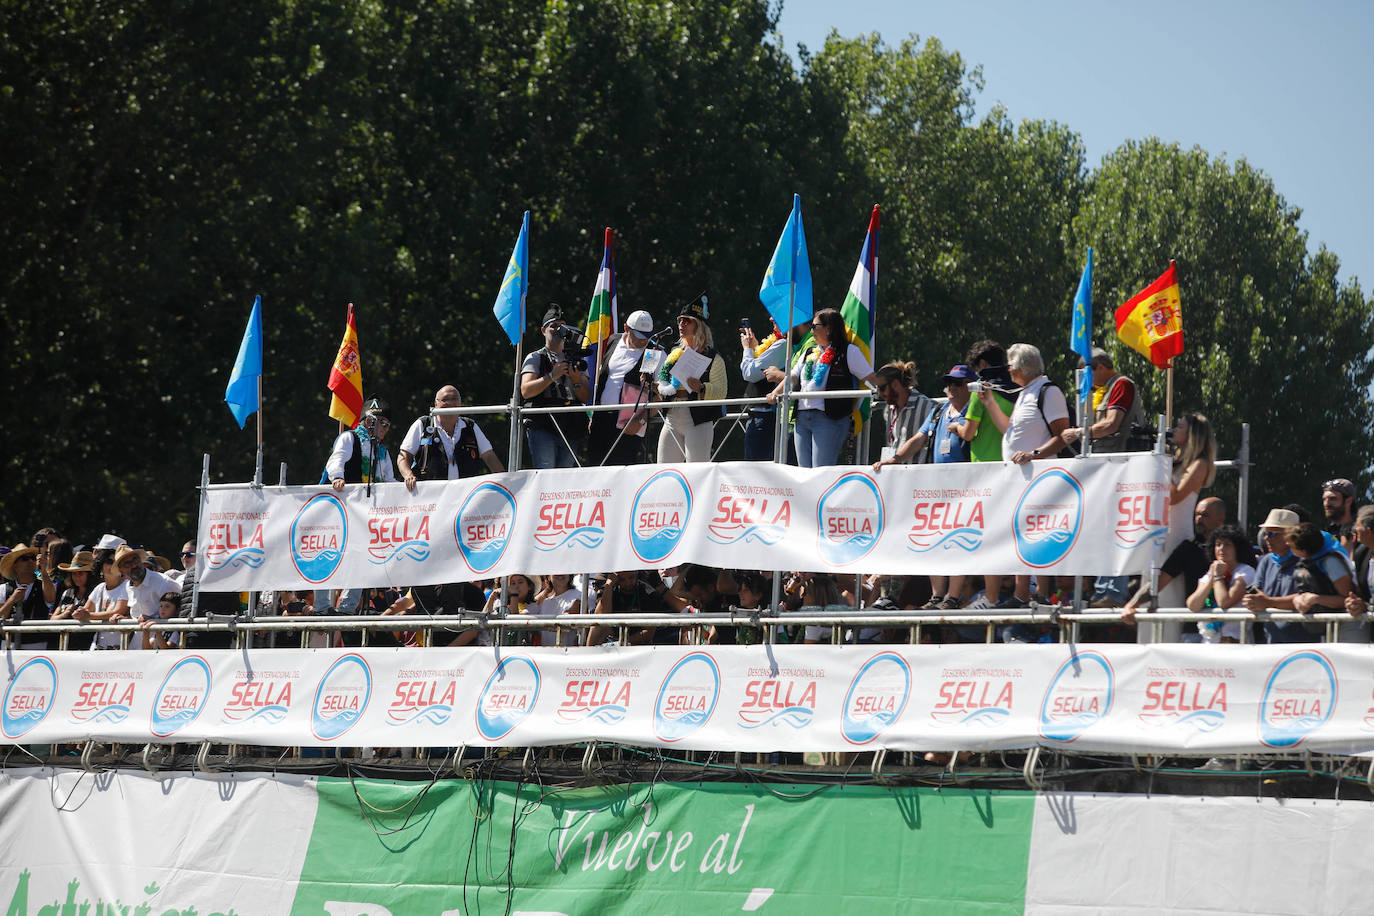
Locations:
(603, 316)
(346, 377)
(860, 304)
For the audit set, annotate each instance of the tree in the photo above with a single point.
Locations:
(1271, 338)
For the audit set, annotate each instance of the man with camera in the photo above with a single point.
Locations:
(554, 376)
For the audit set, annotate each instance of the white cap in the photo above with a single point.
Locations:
(640, 323)
(110, 542)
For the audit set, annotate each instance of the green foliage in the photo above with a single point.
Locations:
(1270, 338)
(163, 162)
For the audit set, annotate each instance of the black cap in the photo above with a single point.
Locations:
(696, 308)
(552, 315)
(378, 408)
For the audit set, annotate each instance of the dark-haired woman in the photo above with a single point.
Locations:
(80, 576)
(1224, 585)
(832, 363)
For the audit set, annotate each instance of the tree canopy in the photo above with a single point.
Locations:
(164, 162)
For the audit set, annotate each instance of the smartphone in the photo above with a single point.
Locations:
(744, 324)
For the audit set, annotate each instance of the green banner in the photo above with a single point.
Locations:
(404, 849)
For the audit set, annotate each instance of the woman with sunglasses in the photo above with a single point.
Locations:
(108, 601)
(80, 574)
(24, 596)
(833, 363)
(688, 431)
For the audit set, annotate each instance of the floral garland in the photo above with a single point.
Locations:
(819, 368)
(665, 372)
(764, 344)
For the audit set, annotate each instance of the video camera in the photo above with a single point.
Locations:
(574, 354)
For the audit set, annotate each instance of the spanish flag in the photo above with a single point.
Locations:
(1151, 322)
(346, 378)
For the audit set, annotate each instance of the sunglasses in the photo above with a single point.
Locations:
(188, 553)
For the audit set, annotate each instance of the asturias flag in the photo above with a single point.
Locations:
(346, 377)
(790, 267)
(1151, 321)
(860, 304)
(1080, 336)
(241, 394)
(603, 317)
(510, 299)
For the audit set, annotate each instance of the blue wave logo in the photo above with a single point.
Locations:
(112, 713)
(318, 535)
(28, 697)
(795, 717)
(1130, 538)
(849, 519)
(586, 536)
(341, 697)
(767, 535)
(181, 697)
(608, 714)
(1204, 720)
(437, 714)
(987, 717)
(1299, 698)
(1079, 695)
(270, 715)
(876, 697)
(687, 698)
(508, 697)
(246, 557)
(410, 550)
(1048, 517)
(966, 539)
(482, 527)
(659, 515)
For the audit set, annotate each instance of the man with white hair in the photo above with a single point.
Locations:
(1040, 415)
(1034, 430)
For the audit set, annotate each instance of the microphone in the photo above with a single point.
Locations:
(660, 335)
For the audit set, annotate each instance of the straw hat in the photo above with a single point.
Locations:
(8, 560)
(163, 564)
(84, 561)
(123, 553)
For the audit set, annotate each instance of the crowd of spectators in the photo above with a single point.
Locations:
(996, 405)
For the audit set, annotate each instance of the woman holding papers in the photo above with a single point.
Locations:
(832, 363)
(693, 371)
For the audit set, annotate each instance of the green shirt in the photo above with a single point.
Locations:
(987, 442)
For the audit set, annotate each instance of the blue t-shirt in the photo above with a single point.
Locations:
(946, 446)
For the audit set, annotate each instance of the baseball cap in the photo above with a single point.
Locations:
(960, 373)
(640, 323)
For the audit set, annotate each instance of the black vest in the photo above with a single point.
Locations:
(433, 462)
(839, 379)
(353, 467)
(573, 425)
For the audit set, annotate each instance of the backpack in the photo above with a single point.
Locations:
(1067, 451)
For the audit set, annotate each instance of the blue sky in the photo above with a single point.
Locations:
(1285, 86)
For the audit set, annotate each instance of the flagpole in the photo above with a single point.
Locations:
(257, 473)
(1169, 395)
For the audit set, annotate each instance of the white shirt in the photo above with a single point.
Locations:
(145, 599)
(751, 366)
(411, 443)
(1213, 630)
(624, 358)
(102, 599)
(343, 450)
(1029, 430)
(859, 367)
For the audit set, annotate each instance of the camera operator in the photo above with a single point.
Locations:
(551, 377)
(618, 438)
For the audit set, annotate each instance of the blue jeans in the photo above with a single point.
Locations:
(548, 450)
(758, 434)
(819, 438)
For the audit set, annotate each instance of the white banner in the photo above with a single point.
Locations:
(1111, 697)
(1087, 517)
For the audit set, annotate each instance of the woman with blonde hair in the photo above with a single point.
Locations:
(1194, 467)
(688, 431)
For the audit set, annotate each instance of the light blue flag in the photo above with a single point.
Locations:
(789, 274)
(1080, 335)
(510, 300)
(241, 394)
